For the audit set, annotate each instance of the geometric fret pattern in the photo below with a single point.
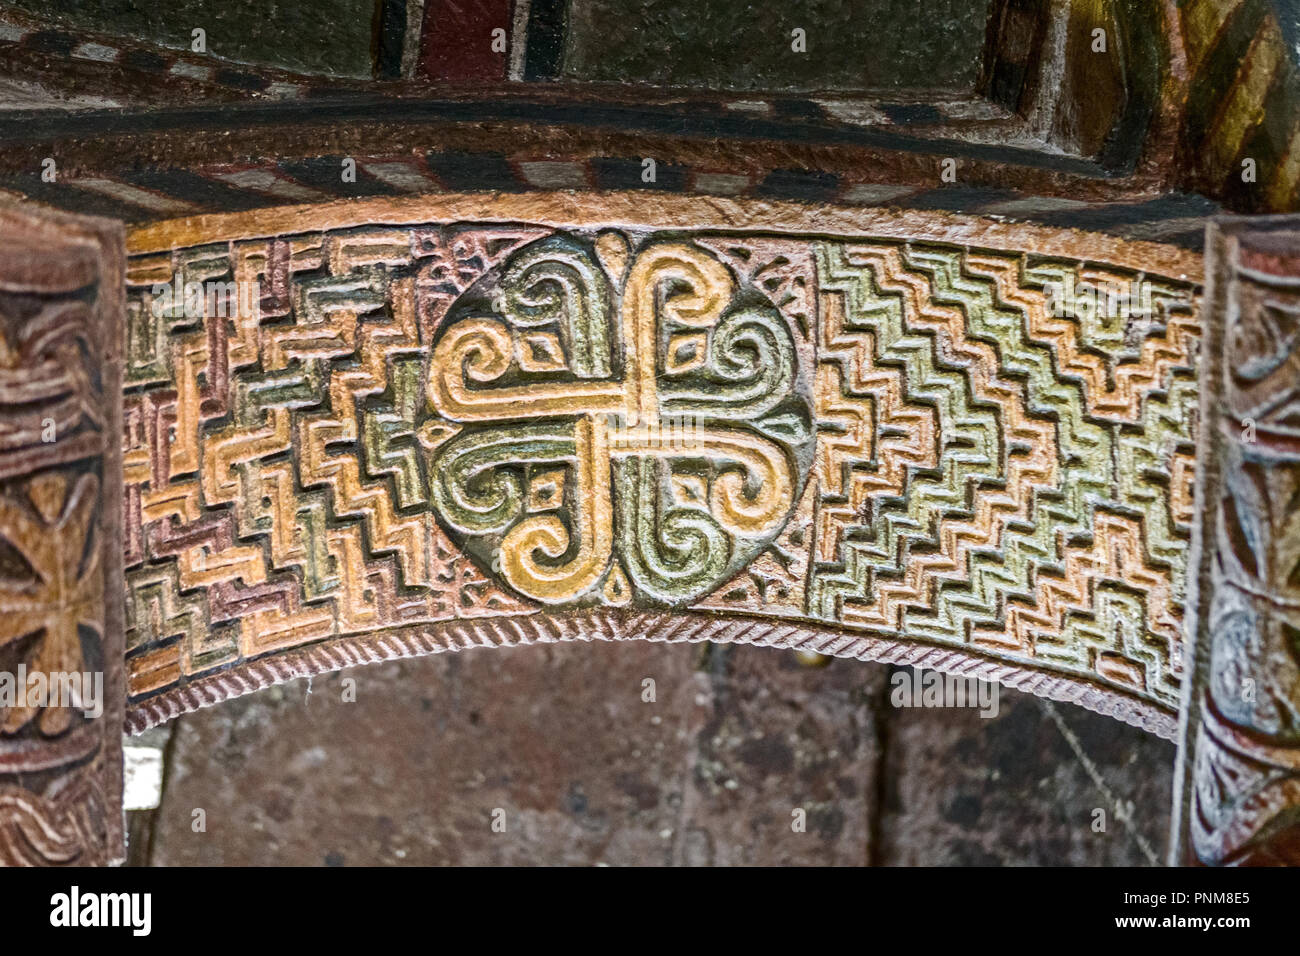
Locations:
(274, 492)
(991, 475)
(1005, 475)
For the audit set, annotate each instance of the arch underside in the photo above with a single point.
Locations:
(918, 439)
(421, 640)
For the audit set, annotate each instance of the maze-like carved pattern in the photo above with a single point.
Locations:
(276, 493)
(994, 474)
(990, 473)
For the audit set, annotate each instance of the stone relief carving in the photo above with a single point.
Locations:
(61, 684)
(1243, 739)
(446, 434)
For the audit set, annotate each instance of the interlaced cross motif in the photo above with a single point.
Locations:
(622, 424)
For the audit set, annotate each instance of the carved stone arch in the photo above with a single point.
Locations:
(515, 406)
(294, 383)
(950, 498)
(614, 625)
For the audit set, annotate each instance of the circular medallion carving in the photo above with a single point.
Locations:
(615, 423)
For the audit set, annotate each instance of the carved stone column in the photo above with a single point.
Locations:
(1238, 797)
(61, 684)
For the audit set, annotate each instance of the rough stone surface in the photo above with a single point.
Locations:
(586, 772)
(963, 790)
(326, 36)
(748, 46)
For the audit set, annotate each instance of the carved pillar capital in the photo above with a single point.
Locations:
(1239, 798)
(61, 685)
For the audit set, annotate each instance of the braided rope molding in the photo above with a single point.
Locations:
(617, 625)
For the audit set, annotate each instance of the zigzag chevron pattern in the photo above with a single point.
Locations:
(997, 475)
(990, 475)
